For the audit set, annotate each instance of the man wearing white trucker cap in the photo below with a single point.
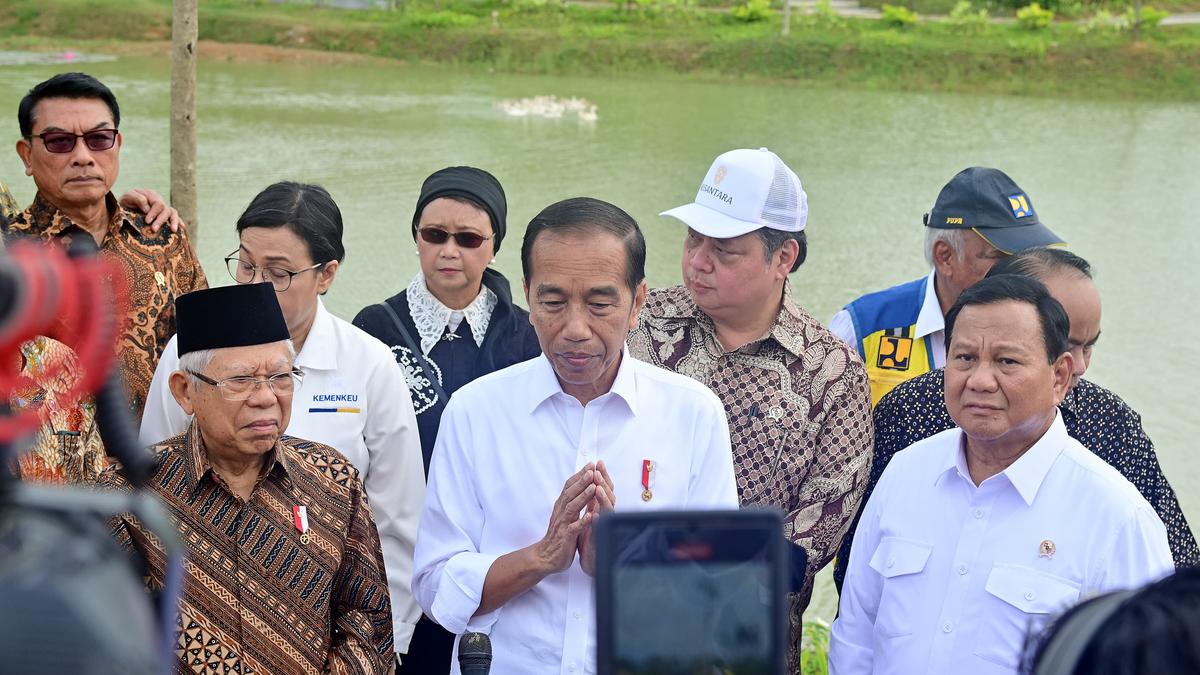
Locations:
(796, 396)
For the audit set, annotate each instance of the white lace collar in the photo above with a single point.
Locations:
(432, 317)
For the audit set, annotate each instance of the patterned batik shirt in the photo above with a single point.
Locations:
(258, 595)
(8, 204)
(1093, 415)
(799, 415)
(158, 268)
(68, 447)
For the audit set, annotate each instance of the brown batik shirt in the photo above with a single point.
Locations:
(158, 268)
(799, 414)
(258, 596)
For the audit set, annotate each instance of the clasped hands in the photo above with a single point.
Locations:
(584, 497)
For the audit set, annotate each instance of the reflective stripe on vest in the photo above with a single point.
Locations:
(893, 356)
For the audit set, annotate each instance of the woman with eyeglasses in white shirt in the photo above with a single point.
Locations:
(353, 396)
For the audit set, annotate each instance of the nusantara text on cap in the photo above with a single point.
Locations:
(716, 193)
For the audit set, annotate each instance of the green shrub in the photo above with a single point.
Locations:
(814, 648)
(898, 17)
(753, 11)
(964, 16)
(1068, 8)
(1034, 17)
(824, 16)
(1150, 17)
(443, 19)
(1103, 22)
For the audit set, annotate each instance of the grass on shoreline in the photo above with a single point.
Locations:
(551, 39)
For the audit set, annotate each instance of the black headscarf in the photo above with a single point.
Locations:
(474, 185)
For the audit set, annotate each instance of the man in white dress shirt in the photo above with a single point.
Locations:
(975, 536)
(528, 456)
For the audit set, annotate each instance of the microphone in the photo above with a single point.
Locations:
(474, 654)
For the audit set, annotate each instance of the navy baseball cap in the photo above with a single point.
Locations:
(995, 207)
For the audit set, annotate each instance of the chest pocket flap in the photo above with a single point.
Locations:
(897, 556)
(1030, 590)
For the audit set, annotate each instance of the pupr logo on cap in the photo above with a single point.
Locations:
(1020, 206)
(720, 175)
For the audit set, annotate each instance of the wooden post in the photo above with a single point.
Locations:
(184, 33)
(1137, 19)
(787, 16)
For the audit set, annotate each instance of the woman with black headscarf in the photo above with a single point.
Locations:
(454, 323)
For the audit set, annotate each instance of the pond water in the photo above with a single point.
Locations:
(1119, 180)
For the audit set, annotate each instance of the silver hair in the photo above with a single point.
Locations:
(200, 359)
(954, 238)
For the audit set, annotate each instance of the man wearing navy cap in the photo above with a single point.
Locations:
(980, 216)
(284, 571)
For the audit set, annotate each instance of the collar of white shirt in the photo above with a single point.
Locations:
(432, 317)
(320, 347)
(543, 383)
(930, 319)
(1026, 474)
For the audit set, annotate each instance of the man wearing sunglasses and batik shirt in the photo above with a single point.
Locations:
(70, 145)
(454, 323)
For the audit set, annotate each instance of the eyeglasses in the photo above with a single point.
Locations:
(244, 273)
(438, 236)
(60, 142)
(242, 387)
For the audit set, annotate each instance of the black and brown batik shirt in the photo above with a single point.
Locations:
(259, 595)
(799, 415)
(158, 267)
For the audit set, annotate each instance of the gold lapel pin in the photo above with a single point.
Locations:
(1046, 549)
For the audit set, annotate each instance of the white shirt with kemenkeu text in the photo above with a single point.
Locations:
(949, 577)
(507, 445)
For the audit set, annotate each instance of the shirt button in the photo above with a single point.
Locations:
(1029, 595)
(978, 513)
(891, 562)
(962, 569)
(578, 615)
(571, 667)
(946, 628)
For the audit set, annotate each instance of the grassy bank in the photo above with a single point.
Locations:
(534, 37)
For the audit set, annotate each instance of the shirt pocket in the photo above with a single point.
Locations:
(1017, 602)
(901, 562)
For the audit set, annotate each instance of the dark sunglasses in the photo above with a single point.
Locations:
(464, 239)
(64, 141)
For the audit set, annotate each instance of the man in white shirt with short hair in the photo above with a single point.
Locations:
(976, 536)
(528, 457)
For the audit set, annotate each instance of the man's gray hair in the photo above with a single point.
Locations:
(954, 238)
(200, 359)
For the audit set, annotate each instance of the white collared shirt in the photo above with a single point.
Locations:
(354, 399)
(930, 321)
(508, 443)
(947, 577)
(432, 318)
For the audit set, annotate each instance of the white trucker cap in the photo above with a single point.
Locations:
(743, 191)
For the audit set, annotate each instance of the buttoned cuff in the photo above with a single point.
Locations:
(461, 590)
(402, 633)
